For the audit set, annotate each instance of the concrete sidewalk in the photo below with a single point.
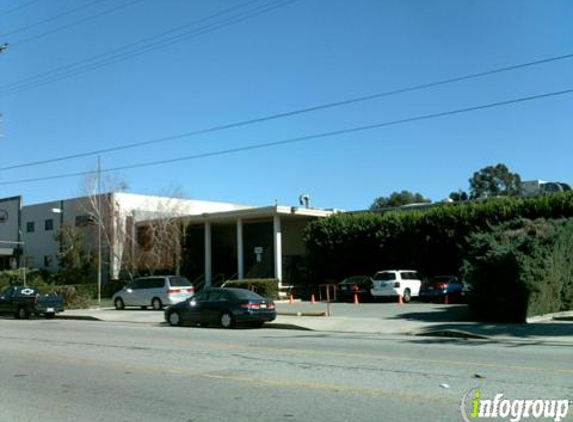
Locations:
(379, 319)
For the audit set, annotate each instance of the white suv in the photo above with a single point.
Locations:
(405, 283)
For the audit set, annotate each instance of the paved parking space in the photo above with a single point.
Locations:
(413, 311)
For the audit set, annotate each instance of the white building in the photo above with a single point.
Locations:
(542, 187)
(223, 240)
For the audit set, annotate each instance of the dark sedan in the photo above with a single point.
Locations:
(358, 284)
(223, 306)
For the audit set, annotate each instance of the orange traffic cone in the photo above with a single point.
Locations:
(312, 300)
(356, 299)
(291, 299)
(400, 301)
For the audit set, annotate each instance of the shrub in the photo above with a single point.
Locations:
(432, 241)
(520, 269)
(109, 288)
(266, 287)
(34, 277)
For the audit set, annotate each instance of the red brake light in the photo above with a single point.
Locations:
(443, 286)
(250, 305)
(354, 287)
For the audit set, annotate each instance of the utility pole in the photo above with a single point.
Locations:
(3, 48)
(99, 223)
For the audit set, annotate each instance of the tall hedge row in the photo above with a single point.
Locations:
(432, 241)
(521, 268)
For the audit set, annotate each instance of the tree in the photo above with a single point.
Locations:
(157, 242)
(459, 196)
(397, 199)
(494, 181)
(146, 239)
(74, 261)
(103, 211)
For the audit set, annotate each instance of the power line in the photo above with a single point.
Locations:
(14, 9)
(50, 19)
(75, 23)
(147, 45)
(289, 113)
(298, 139)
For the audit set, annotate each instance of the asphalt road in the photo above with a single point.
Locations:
(93, 371)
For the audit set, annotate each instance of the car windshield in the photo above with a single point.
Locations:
(386, 276)
(179, 282)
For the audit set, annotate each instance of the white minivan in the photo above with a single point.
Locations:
(388, 283)
(154, 291)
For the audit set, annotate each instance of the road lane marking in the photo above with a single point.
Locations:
(335, 388)
(264, 382)
(300, 351)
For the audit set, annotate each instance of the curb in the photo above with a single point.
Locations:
(78, 317)
(306, 314)
(550, 317)
(452, 334)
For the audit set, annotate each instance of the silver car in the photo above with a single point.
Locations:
(155, 291)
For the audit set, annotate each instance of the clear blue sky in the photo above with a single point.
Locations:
(299, 55)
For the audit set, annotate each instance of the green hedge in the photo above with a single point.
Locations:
(266, 287)
(432, 241)
(520, 269)
(34, 277)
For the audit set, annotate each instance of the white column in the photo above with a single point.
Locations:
(240, 251)
(208, 268)
(277, 237)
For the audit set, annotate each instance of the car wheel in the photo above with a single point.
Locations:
(119, 305)
(22, 313)
(156, 304)
(407, 296)
(227, 320)
(174, 319)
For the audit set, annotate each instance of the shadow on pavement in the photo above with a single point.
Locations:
(446, 313)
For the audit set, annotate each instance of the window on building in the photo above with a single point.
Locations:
(48, 260)
(49, 224)
(30, 227)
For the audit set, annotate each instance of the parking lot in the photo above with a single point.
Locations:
(414, 311)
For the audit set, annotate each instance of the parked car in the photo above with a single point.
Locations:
(358, 284)
(443, 288)
(393, 283)
(223, 306)
(156, 291)
(23, 302)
